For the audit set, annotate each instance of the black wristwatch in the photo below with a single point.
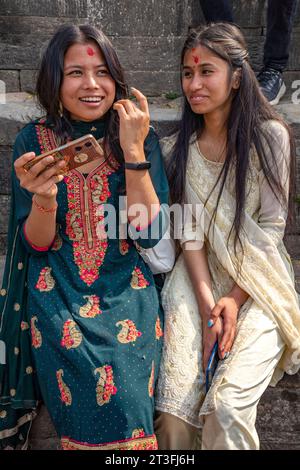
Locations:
(138, 166)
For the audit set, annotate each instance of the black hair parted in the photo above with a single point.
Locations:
(50, 79)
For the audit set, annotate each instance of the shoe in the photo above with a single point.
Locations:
(271, 84)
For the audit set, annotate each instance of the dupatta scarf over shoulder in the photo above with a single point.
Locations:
(264, 270)
(19, 391)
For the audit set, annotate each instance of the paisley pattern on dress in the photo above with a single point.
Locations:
(36, 336)
(158, 330)
(105, 385)
(129, 332)
(65, 393)
(92, 307)
(138, 432)
(45, 281)
(71, 336)
(138, 280)
(123, 247)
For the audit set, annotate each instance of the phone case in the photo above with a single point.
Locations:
(75, 153)
(211, 366)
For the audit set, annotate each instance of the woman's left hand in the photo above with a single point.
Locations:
(228, 309)
(134, 126)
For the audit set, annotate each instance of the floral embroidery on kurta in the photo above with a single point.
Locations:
(129, 333)
(138, 280)
(158, 330)
(65, 393)
(36, 336)
(139, 443)
(151, 381)
(45, 281)
(71, 337)
(85, 221)
(92, 307)
(124, 247)
(105, 385)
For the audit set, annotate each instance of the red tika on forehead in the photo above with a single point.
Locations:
(196, 59)
(90, 51)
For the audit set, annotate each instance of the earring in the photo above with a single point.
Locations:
(60, 109)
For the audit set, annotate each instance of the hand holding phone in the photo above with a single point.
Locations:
(211, 366)
(75, 153)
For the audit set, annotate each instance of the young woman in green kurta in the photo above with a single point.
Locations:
(80, 315)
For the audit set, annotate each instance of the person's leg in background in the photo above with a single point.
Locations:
(217, 10)
(280, 17)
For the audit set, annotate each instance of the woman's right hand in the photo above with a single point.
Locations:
(38, 179)
(209, 336)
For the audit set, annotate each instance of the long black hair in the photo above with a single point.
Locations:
(245, 129)
(50, 79)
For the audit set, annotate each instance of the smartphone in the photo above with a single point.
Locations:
(75, 153)
(211, 366)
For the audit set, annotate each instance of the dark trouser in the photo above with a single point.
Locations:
(280, 16)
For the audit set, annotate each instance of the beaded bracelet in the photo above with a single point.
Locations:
(44, 209)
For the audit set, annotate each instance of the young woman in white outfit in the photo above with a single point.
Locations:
(233, 156)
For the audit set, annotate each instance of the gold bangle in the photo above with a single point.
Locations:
(44, 209)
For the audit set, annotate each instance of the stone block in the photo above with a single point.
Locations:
(4, 212)
(149, 53)
(28, 80)
(19, 109)
(22, 55)
(249, 13)
(5, 168)
(43, 435)
(55, 8)
(154, 83)
(144, 17)
(292, 244)
(3, 243)
(278, 417)
(292, 82)
(11, 79)
(14, 28)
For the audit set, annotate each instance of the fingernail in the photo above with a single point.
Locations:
(222, 348)
(210, 323)
(226, 355)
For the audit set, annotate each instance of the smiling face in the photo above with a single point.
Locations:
(205, 81)
(88, 90)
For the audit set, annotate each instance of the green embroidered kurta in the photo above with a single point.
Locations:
(81, 320)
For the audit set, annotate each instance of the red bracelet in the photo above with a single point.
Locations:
(44, 209)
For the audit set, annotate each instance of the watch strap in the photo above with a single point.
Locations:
(138, 166)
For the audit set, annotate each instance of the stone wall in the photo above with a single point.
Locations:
(148, 35)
